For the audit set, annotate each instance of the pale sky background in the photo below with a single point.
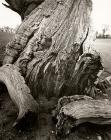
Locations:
(101, 15)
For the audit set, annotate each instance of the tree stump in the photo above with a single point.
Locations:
(48, 51)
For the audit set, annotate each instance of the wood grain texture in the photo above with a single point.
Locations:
(48, 44)
(48, 50)
(18, 91)
(76, 110)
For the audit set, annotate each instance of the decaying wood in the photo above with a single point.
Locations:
(75, 110)
(104, 85)
(18, 91)
(48, 50)
(85, 75)
(48, 44)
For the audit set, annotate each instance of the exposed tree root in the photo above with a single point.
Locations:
(18, 91)
(75, 110)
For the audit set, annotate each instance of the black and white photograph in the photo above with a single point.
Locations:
(55, 69)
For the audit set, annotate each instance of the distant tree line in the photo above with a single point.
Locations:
(6, 34)
(7, 29)
(105, 32)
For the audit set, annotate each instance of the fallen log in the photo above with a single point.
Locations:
(76, 110)
(18, 92)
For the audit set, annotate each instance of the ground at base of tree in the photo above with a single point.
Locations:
(45, 125)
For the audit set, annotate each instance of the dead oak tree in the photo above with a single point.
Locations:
(45, 54)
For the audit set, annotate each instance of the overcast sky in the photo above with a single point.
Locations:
(101, 14)
(8, 17)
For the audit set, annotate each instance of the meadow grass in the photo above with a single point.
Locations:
(103, 46)
(4, 39)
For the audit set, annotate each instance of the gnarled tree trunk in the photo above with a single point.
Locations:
(48, 44)
(47, 48)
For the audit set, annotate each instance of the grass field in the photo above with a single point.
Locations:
(103, 46)
(4, 39)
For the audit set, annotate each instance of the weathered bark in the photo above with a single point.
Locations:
(48, 50)
(74, 110)
(48, 44)
(18, 91)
